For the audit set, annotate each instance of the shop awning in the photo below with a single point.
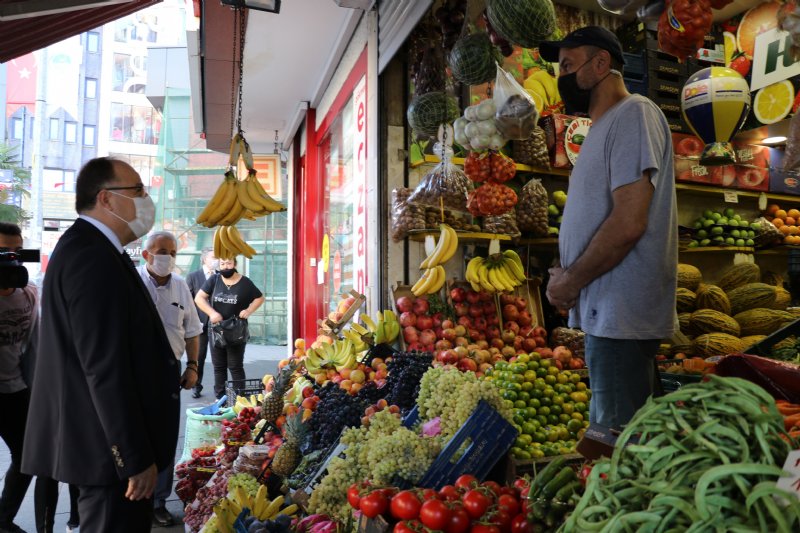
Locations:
(20, 36)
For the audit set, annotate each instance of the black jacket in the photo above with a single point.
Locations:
(105, 400)
(196, 280)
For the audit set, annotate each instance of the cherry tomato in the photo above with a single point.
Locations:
(521, 483)
(467, 482)
(583, 475)
(353, 496)
(520, 524)
(402, 527)
(405, 505)
(484, 528)
(493, 485)
(511, 491)
(449, 493)
(508, 503)
(434, 514)
(459, 520)
(428, 494)
(476, 502)
(374, 504)
(501, 519)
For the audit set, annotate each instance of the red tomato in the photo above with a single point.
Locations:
(428, 494)
(467, 482)
(402, 527)
(434, 514)
(522, 483)
(583, 475)
(508, 503)
(520, 524)
(484, 528)
(449, 493)
(501, 519)
(476, 503)
(353, 496)
(511, 491)
(405, 505)
(493, 485)
(459, 521)
(374, 504)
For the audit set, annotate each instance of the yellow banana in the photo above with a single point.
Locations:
(417, 287)
(549, 84)
(224, 205)
(273, 508)
(291, 510)
(509, 273)
(226, 242)
(483, 278)
(441, 277)
(213, 202)
(234, 214)
(258, 193)
(502, 278)
(515, 264)
(236, 238)
(498, 285)
(537, 87)
(244, 197)
(471, 272)
(371, 326)
(217, 244)
(260, 501)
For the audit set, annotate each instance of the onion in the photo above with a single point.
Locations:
(472, 130)
(486, 110)
(496, 142)
(487, 127)
(471, 113)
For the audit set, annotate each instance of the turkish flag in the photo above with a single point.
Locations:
(21, 73)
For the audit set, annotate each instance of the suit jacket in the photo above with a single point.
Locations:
(105, 400)
(196, 280)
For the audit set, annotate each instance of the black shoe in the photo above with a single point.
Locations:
(162, 517)
(196, 393)
(10, 528)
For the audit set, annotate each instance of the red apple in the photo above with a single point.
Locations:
(473, 297)
(408, 319)
(513, 326)
(510, 312)
(467, 365)
(421, 306)
(461, 309)
(424, 322)
(458, 295)
(525, 319)
(404, 304)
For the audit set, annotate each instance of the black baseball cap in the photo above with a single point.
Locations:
(588, 36)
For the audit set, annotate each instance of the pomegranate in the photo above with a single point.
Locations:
(518, 343)
(540, 341)
(438, 319)
(484, 296)
(427, 337)
(512, 326)
(493, 332)
(467, 365)
(458, 295)
(521, 303)
(410, 334)
(447, 324)
(488, 308)
(506, 299)
(493, 320)
(416, 347)
(524, 319)
(408, 319)
(475, 311)
(480, 323)
(449, 334)
(442, 345)
(529, 344)
(404, 304)
(424, 322)
(421, 306)
(497, 343)
(460, 330)
(473, 297)
(461, 309)
(465, 321)
(510, 312)
(539, 331)
(576, 363)
(508, 337)
(474, 334)
(562, 353)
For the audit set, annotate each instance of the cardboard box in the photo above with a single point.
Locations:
(664, 63)
(664, 85)
(781, 181)
(671, 107)
(750, 173)
(564, 135)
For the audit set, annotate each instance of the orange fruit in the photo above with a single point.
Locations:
(772, 209)
(786, 230)
(794, 213)
(790, 221)
(793, 230)
(777, 222)
(761, 18)
(781, 214)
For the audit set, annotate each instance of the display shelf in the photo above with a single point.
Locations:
(463, 236)
(432, 159)
(539, 241)
(708, 190)
(719, 249)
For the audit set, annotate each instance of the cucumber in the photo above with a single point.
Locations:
(547, 474)
(567, 490)
(564, 476)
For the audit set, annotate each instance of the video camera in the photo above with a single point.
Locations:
(12, 274)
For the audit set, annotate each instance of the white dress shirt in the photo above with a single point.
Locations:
(176, 308)
(105, 230)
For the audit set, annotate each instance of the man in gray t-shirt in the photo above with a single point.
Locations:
(618, 238)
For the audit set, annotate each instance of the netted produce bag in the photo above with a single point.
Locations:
(405, 217)
(489, 166)
(767, 233)
(533, 150)
(472, 59)
(203, 430)
(491, 199)
(502, 225)
(532, 212)
(457, 221)
(523, 22)
(445, 186)
(429, 111)
(516, 115)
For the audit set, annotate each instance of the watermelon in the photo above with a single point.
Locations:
(472, 60)
(522, 22)
(430, 110)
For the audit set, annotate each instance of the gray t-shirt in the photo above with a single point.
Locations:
(635, 299)
(18, 319)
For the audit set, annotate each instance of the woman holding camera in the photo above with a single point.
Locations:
(226, 295)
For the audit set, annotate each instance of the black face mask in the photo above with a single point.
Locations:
(576, 100)
(227, 272)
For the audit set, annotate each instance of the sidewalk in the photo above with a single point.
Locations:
(258, 360)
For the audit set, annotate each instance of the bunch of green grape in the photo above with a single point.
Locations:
(402, 454)
(330, 496)
(246, 481)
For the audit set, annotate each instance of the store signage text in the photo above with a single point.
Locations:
(360, 187)
(772, 59)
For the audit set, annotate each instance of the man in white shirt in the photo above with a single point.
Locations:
(176, 308)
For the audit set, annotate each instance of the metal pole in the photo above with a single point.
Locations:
(37, 155)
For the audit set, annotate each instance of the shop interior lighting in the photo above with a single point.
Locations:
(774, 141)
(270, 6)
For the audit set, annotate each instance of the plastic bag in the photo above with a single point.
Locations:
(502, 225)
(533, 150)
(445, 186)
(203, 430)
(768, 234)
(573, 339)
(405, 217)
(532, 212)
(516, 115)
(457, 221)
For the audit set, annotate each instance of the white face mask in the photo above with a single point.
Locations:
(145, 214)
(162, 265)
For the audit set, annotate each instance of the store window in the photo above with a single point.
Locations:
(71, 132)
(93, 42)
(129, 73)
(16, 128)
(89, 135)
(54, 125)
(135, 124)
(90, 88)
(58, 180)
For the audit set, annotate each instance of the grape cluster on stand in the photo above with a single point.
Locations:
(337, 410)
(201, 509)
(405, 372)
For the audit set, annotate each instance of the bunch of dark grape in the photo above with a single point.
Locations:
(505, 47)
(337, 410)
(405, 372)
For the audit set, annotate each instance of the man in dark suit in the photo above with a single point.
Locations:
(196, 280)
(104, 410)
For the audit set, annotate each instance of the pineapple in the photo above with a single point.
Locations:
(272, 406)
(288, 455)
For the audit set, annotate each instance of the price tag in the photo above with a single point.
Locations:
(730, 197)
(791, 482)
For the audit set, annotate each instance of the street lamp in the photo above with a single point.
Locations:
(271, 6)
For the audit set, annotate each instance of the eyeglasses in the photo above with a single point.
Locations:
(138, 188)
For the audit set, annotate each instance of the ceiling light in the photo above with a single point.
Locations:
(271, 6)
(779, 139)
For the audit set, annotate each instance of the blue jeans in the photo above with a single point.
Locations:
(622, 376)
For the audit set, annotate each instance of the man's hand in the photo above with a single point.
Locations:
(561, 294)
(215, 318)
(189, 377)
(142, 485)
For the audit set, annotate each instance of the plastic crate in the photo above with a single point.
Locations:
(670, 385)
(635, 66)
(244, 387)
(491, 437)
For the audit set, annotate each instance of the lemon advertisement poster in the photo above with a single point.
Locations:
(772, 59)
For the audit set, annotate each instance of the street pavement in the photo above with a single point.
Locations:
(258, 360)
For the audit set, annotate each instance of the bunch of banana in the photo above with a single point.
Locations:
(226, 510)
(235, 199)
(243, 402)
(543, 88)
(361, 337)
(260, 506)
(499, 273)
(228, 243)
(445, 248)
(431, 281)
(386, 329)
(339, 355)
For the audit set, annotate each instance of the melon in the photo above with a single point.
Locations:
(473, 59)
(712, 344)
(684, 321)
(739, 275)
(685, 300)
(783, 299)
(751, 296)
(713, 297)
(752, 340)
(709, 321)
(772, 278)
(689, 276)
(430, 110)
(522, 22)
(762, 321)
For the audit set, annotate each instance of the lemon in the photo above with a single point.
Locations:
(774, 102)
(730, 47)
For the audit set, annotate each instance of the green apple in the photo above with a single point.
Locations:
(552, 210)
(708, 213)
(705, 242)
(722, 221)
(733, 222)
(552, 231)
(716, 216)
(560, 198)
(740, 242)
(749, 242)
(702, 234)
(717, 230)
(730, 241)
(755, 226)
(729, 212)
(698, 224)
(736, 233)
(708, 222)
(694, 244)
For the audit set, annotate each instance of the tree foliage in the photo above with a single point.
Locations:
(11, 193)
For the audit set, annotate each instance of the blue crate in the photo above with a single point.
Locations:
(491, 435)
(635, 86)
(411, 417)
(635, 66)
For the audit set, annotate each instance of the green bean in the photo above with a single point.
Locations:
(718, 472)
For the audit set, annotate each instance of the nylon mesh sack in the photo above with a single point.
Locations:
(522, 22)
